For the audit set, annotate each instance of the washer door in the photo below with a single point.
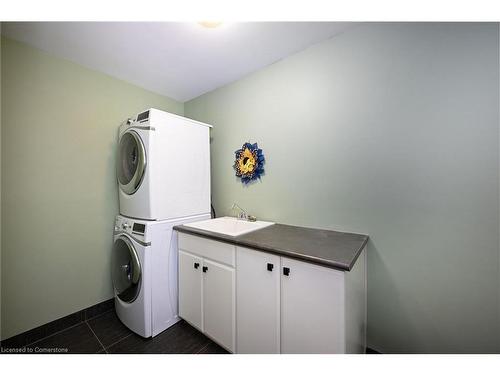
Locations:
(131, 162)
(126, 270)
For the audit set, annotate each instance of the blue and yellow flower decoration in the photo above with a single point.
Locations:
(249, 163)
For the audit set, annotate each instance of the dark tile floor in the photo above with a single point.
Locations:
(106, 334)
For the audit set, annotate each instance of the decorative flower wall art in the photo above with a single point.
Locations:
(249, 163)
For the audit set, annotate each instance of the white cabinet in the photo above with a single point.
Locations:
(323, 310)
(219, 303)
(250, 301)
(257, 301)
(207, 288)
(312, 308)
(190, 280)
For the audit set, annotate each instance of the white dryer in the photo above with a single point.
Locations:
(144, 273)
(163, 166)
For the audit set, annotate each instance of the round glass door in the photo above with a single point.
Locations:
(131, 162)
(125, 270)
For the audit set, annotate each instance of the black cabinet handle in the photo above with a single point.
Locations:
(205, 268)
(270, 267)
(286, 271)
(196, 265)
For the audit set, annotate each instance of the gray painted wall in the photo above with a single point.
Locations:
(391, 130)
(59, 192)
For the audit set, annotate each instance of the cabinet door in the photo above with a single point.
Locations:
(258, 301)
(312, 308)
(190, 267)
(219, 303)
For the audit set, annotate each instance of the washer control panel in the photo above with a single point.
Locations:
(143, 117)
(123, 224)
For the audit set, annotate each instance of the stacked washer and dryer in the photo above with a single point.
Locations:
(163, 171)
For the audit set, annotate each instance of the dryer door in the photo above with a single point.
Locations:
(131, 162)
(126, 270)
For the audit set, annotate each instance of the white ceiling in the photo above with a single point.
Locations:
(179, 60)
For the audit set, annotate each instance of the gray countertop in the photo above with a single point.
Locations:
(326, 247)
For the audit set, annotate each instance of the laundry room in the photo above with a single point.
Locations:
(214, 189)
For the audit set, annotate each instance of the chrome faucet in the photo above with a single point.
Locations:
(242, 215)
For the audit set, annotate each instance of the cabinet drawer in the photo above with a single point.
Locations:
(210, 249)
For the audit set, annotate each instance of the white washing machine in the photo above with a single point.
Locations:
(163, 166)
(144, 273)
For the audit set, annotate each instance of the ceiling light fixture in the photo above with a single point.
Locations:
(210, 24)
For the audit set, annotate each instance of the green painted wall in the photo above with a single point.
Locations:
(59, 195)
(0, 181)
(391, 130)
